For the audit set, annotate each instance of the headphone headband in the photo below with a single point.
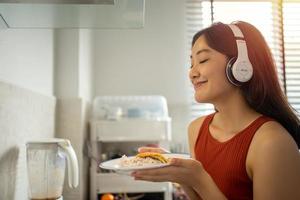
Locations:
(240, 42)
(236, 31)
(240, 70)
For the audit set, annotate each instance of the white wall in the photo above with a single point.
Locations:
(74, 50)
(86, 64)
(26, 59)
(127, 61)
(145, 61)
(26, 65)
(149, 61)
(74, 63)
(66, 63)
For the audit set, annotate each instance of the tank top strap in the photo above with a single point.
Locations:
(204, 127)
(226, 161)
(250, 131)
(261, 120)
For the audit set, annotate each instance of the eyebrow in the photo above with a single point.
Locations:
(201, 51)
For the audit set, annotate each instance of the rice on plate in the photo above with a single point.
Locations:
(143, 159)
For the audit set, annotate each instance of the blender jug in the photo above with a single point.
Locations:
(46, 161)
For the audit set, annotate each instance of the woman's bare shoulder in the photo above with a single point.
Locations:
(195, 125)
(272, 135)
(193, 131)
(274, 161)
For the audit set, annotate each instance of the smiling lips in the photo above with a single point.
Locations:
(198, 84)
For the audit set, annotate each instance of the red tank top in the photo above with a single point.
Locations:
(226, 161)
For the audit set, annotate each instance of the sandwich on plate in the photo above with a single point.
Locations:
(144, 159)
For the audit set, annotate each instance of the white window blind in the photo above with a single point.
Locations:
(197, 18)
(291, 19)
(267, 18)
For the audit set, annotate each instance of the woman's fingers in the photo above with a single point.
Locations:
(176, 162)
(153, 172)
(181, 171)
(180, 162)
(152, 178)
(169, 173)
(185, 163)
(156, 175)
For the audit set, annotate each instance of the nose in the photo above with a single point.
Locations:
(194, 73)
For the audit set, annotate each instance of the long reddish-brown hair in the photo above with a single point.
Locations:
(263, 92)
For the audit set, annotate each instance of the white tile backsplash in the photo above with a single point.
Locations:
(24, 115)
(72, 116)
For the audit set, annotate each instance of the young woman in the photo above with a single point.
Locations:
(248, 148)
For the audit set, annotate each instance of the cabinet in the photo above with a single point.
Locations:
(72, 14)
(114, 138)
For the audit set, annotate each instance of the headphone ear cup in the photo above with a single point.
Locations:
(229, 73)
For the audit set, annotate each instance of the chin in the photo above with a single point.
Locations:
(201, 99)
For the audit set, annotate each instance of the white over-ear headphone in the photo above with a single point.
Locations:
(239, 70)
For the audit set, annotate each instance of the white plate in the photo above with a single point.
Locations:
(115, 163)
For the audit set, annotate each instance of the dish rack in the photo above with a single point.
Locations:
(119, 126)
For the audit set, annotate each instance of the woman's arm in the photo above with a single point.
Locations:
(209, 189)
(190, 192)
(274, 163)
(187, 172)
(192, 175)
(193, 131)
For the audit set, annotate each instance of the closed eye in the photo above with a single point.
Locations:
(200, 62)
(203, 61)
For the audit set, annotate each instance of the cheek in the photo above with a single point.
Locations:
(217, 76)
(220, 79)
(218, 83)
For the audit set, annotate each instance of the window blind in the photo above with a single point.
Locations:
(196, 20)
(267, 18)
(291, 19)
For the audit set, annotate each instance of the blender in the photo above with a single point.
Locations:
(46, 162)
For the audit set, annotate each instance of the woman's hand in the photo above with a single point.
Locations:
(183, 171)
(187, 172)
(175, 165)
